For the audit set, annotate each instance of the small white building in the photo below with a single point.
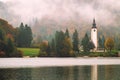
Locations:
(94, 35)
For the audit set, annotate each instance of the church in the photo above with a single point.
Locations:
(94, 35)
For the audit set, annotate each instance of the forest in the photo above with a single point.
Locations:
(62, 43)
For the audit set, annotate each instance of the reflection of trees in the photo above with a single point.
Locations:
(15, 74)
(112, 72)
(62, 73)
(109, 72)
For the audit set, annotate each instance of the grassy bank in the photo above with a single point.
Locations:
(29, 51)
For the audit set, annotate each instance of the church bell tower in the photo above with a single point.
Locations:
(94, 34)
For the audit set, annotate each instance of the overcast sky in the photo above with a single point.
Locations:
(106, 12)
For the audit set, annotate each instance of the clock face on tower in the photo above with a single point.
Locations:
(94, 30)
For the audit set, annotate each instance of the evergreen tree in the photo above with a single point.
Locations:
(10, 48)
(28, 36)
(2, 41)
(100, 42)
(103, 42)
(24, 37)
(75, 41)
(85, 43)
(20, 36)
(2, 35)
(91, 45)
(67, 33)
(63, 45)
(53, 49)
(48, 50)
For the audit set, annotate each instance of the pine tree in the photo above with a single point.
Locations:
(67, 33)
(100, 42)
(103, 41)
(53, 46)
(75, 41)
(28, 36)
(85, 43)
(24, 36)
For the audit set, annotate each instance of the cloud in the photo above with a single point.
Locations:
(106, 12)
(8, 14)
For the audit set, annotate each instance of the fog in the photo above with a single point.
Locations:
(106, 12)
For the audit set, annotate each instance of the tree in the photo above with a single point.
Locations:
(24, 36)
(67, 33)
(103, 42)
(100, 42)
(67, 51)
(109, 44)
(2, 42)
(20, 36)
(2, 35)
(28, 36)
(63, 45)
(59, 38)
(75, 41)
(85, 43)
(53, 48)
(10, 48)
(91, 45)
(43, 49)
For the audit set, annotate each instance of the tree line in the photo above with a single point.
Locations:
(61, 45)
(22, 37)
(7, 46)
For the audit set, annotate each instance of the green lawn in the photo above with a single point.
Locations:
(29, 51)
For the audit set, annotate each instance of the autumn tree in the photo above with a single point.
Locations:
(7, 47)
(109, 44)
(43, 49)
(10, 48)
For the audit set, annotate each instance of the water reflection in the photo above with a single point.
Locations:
(62, 73)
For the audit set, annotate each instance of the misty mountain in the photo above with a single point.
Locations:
(61, 14)
(7, 14)
(47, 27)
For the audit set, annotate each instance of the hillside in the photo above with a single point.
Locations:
(46, 28)
(7, 27)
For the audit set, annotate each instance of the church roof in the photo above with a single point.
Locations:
(94, 24)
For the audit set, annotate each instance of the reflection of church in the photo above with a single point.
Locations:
(94, 35)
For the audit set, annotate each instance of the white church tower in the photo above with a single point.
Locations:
(94, 34)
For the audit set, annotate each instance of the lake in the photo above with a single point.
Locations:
(56, 69)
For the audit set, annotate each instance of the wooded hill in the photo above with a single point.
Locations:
(9, 29)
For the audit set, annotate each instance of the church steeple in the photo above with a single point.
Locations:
(94, 24)
(94, 34)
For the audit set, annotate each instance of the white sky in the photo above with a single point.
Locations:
(106, 11)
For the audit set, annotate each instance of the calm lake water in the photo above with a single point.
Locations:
(104, 72)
